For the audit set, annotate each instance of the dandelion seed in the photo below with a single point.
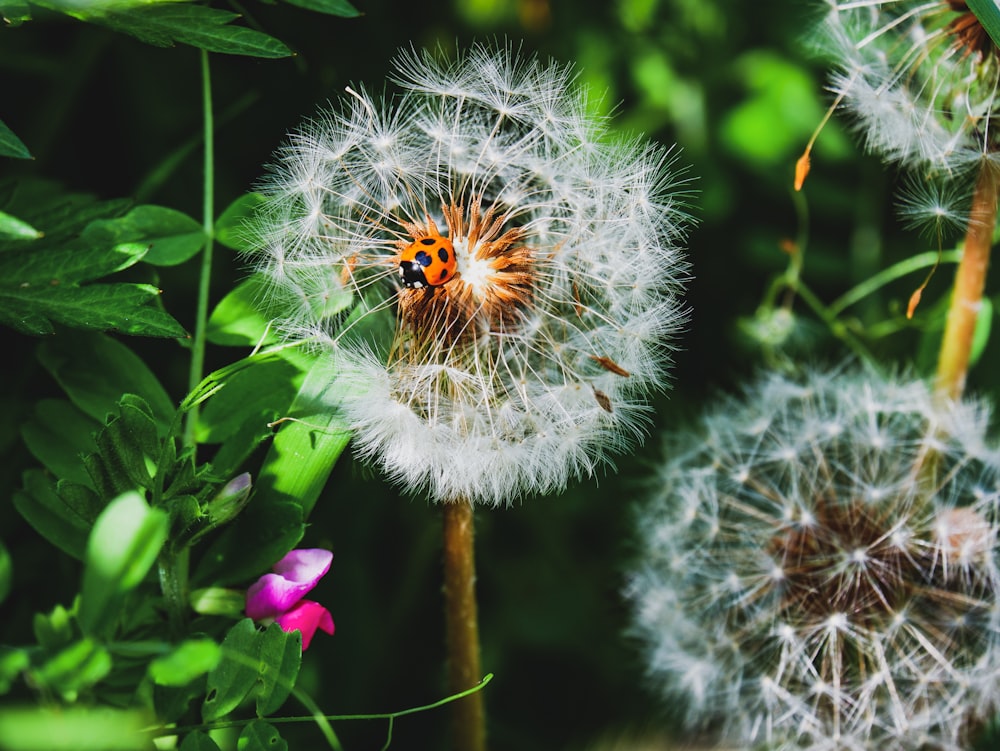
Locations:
(920, 76)
(872, 617)
(543, 309)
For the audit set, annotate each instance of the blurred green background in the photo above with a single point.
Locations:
(733, 83)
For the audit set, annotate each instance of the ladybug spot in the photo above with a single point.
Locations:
(422, 258)
(443, 274)
(443, 254)
(428, 241)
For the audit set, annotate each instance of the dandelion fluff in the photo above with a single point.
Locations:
(532, 365)
(818, 567)
(920, 77)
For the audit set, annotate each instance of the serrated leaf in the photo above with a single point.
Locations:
(261, 665)
(166, 24)
(95, 371)
(125, 308)
(48, 514)
(261, 736)
(10, 144)
(340, 8)
(127, 451)
(121, 549)
(187, 661)
(230, 227)
(51, 280)
(18, 229)
(171, 237)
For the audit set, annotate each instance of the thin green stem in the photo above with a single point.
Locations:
(208, 221)
(884, 277)
(321, 721)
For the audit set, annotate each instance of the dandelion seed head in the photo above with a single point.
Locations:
(920, 77)
(866, 611)
(531, 364)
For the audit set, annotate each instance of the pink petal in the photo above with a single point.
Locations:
(296, 574)
(306, 617)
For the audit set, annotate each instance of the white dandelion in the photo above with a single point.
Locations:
(531, 257)
(818, 567)
(921, 78)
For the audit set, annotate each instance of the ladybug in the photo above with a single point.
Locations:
(427, 262)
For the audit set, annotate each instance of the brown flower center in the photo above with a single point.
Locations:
(491, 290)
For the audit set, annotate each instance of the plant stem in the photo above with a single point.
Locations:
(462, 626)
(967, 295)
(208, 221)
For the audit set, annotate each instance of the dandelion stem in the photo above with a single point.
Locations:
(462, 626)
(967, 295)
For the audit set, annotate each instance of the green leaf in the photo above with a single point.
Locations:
(280, 660)
(198, 741)
(77, 667)
(988, 13)
(251, 399)
(95, 370)
(240, 413)
(306, 448)
(231, 228)
(236, 674)
(171, 236)
(42, 507)
(242, 318)
(82, 728)
(124, 308)
(258, 537)
(51, 279)
(10, 144)
(18, 229)
(127, 452)
(332, 7)
(261, 736)
(14, 12)
(54, 631)
(189, 660)
(255, 664)
(58, 436)
(122, 548)
(165, 24)
(6, 572)
(13, 662)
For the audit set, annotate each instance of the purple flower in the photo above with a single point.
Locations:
(277, 597)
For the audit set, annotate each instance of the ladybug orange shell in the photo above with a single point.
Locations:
(427, 262)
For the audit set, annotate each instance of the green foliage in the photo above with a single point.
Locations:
(10, 144)
(51, 277)
(988, 13)
(257, 665)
